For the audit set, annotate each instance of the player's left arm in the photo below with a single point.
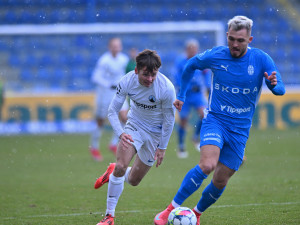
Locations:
(168, 113)
(272, 77)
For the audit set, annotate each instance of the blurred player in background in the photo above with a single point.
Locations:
(238, 73)
(195, 97)
(132, 63)
(108, 72)
(1, 98)
(147, 132)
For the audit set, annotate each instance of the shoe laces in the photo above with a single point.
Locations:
(107, 217)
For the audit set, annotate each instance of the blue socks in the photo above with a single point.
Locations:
(191, 182)
(209, 196)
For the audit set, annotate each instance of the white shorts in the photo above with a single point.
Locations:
(145, 143)
(103, 98)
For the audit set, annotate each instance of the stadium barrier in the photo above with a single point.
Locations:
(71, 113)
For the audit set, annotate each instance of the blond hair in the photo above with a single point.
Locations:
(239, 23)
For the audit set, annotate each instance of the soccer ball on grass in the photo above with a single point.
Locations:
(182, 216)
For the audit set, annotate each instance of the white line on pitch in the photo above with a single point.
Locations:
(139, 211)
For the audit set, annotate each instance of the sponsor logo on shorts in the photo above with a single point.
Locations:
(230, 109)
(212, 137)
(144, 106)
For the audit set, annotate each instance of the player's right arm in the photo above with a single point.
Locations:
(115, 107)
(178, 104)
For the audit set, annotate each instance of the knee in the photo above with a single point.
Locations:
(220, 182)
(134, 182)
(120, 170)
(207, 167)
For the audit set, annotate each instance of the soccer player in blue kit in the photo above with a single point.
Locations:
(195, 97)
(238, 73)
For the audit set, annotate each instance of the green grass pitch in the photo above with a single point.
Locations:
(49, 180)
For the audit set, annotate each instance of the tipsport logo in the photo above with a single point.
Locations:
(230, 109)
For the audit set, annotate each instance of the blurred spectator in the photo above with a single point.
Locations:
(195, 97)
(132, 63)
(109, 69)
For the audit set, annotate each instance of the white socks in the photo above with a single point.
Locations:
(127, 175)
(115, 189)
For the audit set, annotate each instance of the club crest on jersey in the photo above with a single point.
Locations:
(250, 70)
(152, 98)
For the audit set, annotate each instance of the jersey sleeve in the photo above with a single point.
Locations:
(168, 111)
(200, 62)
(269, 67)
(115, 107)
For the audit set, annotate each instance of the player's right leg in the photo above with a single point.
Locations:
(209, 157)
(107, 220)
(125, 153)
(191, 182)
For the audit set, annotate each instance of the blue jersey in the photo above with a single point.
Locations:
(236, 83)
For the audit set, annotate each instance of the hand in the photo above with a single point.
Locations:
(272, 78)
(178, 104)
(159, 156)
(126, 140)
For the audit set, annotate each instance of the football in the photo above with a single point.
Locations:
(182, 216)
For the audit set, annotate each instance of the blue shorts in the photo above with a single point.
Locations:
(231, 141)
(195, 101)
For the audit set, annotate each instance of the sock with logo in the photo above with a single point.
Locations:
(181, 136)
(191, 182)
(114, 191)
(209, 196)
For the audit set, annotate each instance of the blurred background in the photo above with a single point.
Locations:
(48, 50)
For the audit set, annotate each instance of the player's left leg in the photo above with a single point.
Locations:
(136, 173)
(214, 190)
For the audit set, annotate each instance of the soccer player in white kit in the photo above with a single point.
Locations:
(110, 68)
(147, 132)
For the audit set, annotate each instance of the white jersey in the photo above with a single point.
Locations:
(109, 69)
(151, 108)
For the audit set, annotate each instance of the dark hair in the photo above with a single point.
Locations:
(149, 59)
